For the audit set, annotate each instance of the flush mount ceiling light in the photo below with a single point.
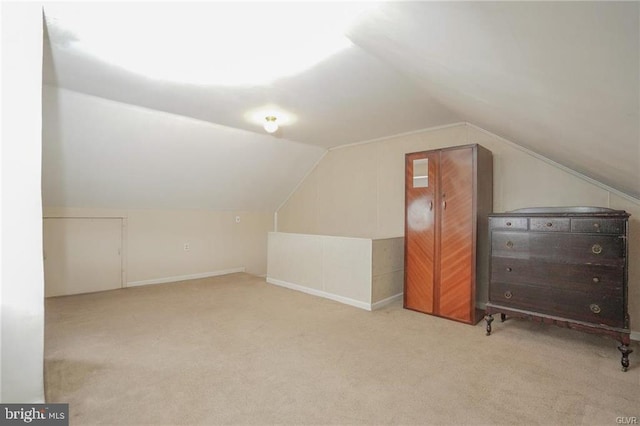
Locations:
(270, 117)
(270, 124)
(220, 43)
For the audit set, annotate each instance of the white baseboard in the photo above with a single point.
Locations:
(384, 302)
(184, 277)
(315, 292)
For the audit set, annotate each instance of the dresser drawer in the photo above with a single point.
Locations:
(550, 224)
(579, 306)
(598, 225)
(601, 279)
(560, 247)
(510, 244)
(578, 248)
(509, 223)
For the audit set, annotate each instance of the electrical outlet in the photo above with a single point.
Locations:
(186, 246)
(237, 219)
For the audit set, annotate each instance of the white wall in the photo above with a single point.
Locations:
(153, 242)
(358, 191)
(216, 243)
(360, 272)
(22, 317)
(336, 268)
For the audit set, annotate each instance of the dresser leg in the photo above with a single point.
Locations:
(503, 317)
(624, 349)
(489, 320)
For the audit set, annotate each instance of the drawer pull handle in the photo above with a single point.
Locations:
(596, 249)
(549, 224)
(596, 280)
(509, 244)
(596, 225)
(594, 308)
(509, 269)
(508, 295)
(508, 223)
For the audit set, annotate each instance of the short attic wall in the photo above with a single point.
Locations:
(153, 241)
(361, 272)
(358, 191)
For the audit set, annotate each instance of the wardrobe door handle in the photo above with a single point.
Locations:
(444, 205)
(430, 205)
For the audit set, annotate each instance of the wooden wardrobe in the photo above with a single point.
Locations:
(448, 195)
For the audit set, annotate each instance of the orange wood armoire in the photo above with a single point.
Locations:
(448, 195)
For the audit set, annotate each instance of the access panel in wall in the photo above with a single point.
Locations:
(448, 195)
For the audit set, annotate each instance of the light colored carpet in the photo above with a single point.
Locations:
(236, 350)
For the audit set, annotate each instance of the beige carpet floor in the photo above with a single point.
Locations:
(236, 350)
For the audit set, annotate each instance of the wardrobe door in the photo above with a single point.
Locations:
(454, 291)
(421, 187)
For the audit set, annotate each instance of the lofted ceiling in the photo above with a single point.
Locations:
(559, 78)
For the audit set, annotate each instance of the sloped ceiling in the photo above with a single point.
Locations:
(99, 153)
(559, 78)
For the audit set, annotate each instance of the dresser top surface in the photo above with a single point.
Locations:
(581, 211)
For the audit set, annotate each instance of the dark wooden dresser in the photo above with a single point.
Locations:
(566, 266)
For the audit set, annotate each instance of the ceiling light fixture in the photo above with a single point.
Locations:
(270, 117)
(270, 124)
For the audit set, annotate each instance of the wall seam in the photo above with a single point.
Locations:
(311, 170)
(378, 190)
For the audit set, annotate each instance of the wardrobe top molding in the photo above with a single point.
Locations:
(447, 148)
